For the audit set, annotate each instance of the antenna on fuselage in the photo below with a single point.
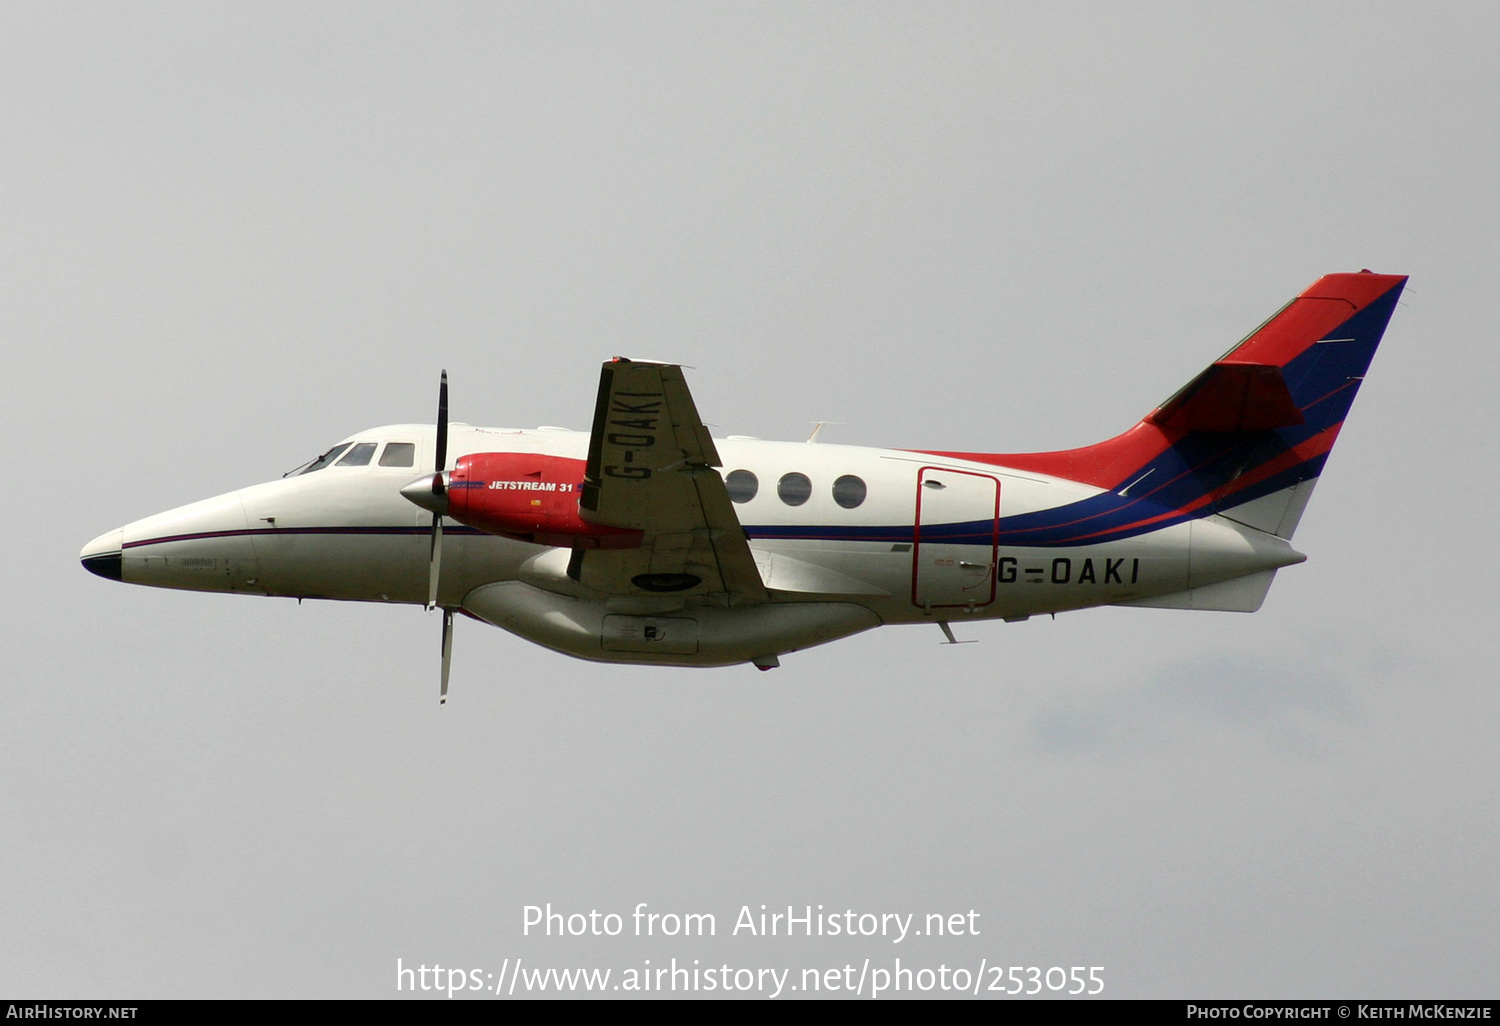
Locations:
(948, 633)
(818, 426)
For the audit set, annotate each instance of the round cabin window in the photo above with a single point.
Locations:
(794, 489)
(849, 491)
(742, 485)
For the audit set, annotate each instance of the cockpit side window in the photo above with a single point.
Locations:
(359, 455)
(325, 459)
(399, 454)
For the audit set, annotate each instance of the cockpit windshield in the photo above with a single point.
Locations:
(321, 462)
(360, 454)
(398, 454)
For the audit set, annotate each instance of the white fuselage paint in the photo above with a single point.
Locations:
(347, 533)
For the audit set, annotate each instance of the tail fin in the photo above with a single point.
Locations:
(1246, 439)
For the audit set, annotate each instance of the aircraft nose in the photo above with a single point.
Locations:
(104, 555)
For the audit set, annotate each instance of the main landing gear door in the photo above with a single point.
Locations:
(957, 539)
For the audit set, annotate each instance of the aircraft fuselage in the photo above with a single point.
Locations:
(924, 542)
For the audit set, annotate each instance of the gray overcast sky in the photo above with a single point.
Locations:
(232, 234)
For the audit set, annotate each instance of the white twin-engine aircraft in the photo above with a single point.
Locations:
(647, 541)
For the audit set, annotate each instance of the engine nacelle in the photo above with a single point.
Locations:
(530, 497)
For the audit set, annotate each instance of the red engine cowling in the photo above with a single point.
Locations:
(529, 497)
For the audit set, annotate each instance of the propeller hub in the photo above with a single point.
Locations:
(430, 491)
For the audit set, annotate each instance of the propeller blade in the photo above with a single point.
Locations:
(431, 493)
(442, 425)
(437, 501)
(434, 560)
(447, 653)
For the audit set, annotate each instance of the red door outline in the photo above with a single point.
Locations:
(916, 549)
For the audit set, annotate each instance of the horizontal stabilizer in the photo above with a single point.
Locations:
(1240, 595)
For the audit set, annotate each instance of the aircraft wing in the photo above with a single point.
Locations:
(651, 468)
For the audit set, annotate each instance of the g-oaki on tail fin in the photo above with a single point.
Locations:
(644, 540)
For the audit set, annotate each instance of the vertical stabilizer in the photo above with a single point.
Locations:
(1246, 439)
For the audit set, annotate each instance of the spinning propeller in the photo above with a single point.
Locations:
(431, 493)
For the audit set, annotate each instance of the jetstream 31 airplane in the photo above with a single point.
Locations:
(630, 544)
